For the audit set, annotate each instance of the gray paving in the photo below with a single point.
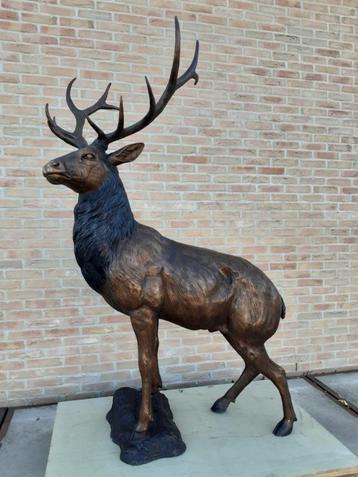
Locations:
(25, 448)
(344, 384)
(333, 417)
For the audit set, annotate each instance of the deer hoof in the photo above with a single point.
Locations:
(283, 428)
(220, 405)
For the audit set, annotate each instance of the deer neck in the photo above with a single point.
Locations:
(103, 220)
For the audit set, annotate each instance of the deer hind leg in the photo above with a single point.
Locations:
(249, 374)
(145, 324)
(277, 375)
(257, 361)
(246, 377)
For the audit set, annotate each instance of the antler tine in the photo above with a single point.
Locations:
(171, 85)
(117, 132)
(108, 138)
(76, 138)
(174, 83)
(82, 114)
(190, 72)
(62, 133)
(100, 103)
(69, 101)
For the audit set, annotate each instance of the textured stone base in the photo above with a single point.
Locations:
(163, 438)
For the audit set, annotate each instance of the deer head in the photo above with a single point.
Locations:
(86, 168)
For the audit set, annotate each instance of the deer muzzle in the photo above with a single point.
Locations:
(53, 169)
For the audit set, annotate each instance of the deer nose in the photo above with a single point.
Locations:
(51, 166)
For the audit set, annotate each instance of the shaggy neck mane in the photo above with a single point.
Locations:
(102, 220)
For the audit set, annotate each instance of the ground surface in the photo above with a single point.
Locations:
(25, 448)
(345, 384)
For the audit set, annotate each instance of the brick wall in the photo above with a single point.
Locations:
(259, 159)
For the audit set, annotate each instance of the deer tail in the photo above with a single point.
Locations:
(283, 310)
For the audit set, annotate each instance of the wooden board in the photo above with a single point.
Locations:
(351, 472)
(5, 419)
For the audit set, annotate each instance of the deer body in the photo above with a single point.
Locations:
(149, 277)
(189, 286)
(132, 265)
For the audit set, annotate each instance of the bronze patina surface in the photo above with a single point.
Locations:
(149, 277)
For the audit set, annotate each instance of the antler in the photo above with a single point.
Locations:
(155, 108)
(76, 138)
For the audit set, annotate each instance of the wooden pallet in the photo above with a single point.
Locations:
(351, 472)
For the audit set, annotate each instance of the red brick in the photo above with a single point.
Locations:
(257, 160)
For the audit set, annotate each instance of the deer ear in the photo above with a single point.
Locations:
(126, 154)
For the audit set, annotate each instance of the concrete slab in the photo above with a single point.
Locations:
(344, 384)
(239, 442)
(333, 417)
(25, 447)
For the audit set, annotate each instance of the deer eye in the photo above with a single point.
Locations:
(88, 156)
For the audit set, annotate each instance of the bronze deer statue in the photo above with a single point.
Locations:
(149, 277)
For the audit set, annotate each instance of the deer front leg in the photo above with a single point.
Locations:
(156, 379)
(145, 322)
